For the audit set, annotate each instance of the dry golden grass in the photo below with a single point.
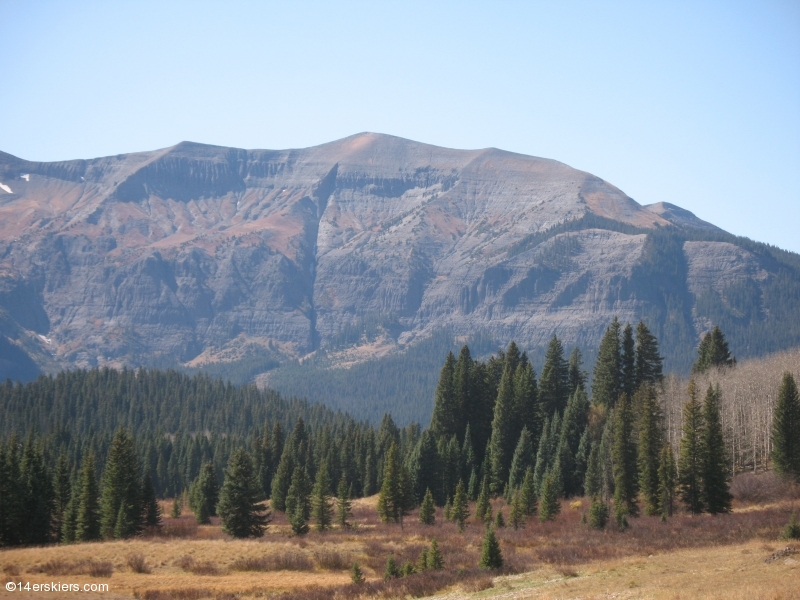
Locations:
(735, 572)
(687, 557)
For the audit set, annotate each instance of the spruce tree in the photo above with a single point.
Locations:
(526, 401)
(491, 555)
(151, 511)
(628, 361)
(463, 391)
(527, 496)
(524, 458)
(667, 481)
(69, 522)
(786, 430)
(624, 459)
(88, 519)
(435, 558)
(205, 494)
(459, 512)
(713, 352)
(516, 515)
(554, 387)
(716, 493)
(549, 506)
(426, 468)
(690, 463)
(598, 514)
(483, 506)
(607, 380)
(501, 443)
(390, 499)
(322, 509)
(650, 443)
(240, 506)
(446, 413)
(62, 492)
(543, 457)
(344, 506)
(577, 376)
(38, 494)
(427, 511)
(298, 501)
(177, 508)
(357, 575)
(593, 482)
(391, 571)
(649, 368)
(121, 489)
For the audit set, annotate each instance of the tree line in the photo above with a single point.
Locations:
(496, 429)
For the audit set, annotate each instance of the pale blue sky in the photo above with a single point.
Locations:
(695, 103)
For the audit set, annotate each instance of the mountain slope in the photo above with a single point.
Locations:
(202, 255)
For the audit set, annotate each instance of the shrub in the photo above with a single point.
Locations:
(792, 531)
(187, 563)
(598, 514)
(137, 563)
(12, 570)
(102, 568)
(332, 560)
(283, 561)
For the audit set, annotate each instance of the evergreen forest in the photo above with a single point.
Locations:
(86, 454)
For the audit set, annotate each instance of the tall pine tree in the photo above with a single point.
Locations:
(690, 463)
(121, 497)
(650, 442)
(716, 493)
(554, 383)
(786, 430)
(240, 506)
(607, 380)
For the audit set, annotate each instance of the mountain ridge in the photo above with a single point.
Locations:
(200, 254)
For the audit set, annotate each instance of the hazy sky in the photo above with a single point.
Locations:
(695, 103)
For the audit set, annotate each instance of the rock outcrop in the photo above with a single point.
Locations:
(196, 254)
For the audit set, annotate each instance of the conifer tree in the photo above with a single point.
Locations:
(628, 361)
(607, 381)
(463, 391)
(573, 425)
(501, 443)
(121, 491)
(543, 457)
(713, 352)
(427, 511)
(207, 492)
(69, 522)
(177, 508)
(390, 500)
(716, 493)
(786, 430)
(549, 506)
(517, 513)
(483, 506)
(151, 511)
(648, 362)
(344, 506)
(528, 498)
(491, 555)
(524, 458)
(650, 443)
(593, 482)
(577, 376)
(88, 523)
(422, 560)
(526, 401)
(445, 418)
(298, 501)
(624, 459)
(435, 558)
(606, 452)
(38, 493)
(392, 571)
(667, 481)
(357, 575)
(321, 499)
(500, 520)
(554, 388)
(690, 463)
(426, 467)
(459, 512)
(62, 492)
(241, 511)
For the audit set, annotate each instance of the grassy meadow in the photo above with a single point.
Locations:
(685, 557)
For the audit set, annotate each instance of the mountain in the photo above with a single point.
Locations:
(240, 260)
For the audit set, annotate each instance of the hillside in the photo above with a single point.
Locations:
(237, 261)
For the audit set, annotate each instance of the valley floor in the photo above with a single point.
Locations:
(686, 557)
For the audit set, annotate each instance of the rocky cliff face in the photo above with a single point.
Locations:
(198, 254)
